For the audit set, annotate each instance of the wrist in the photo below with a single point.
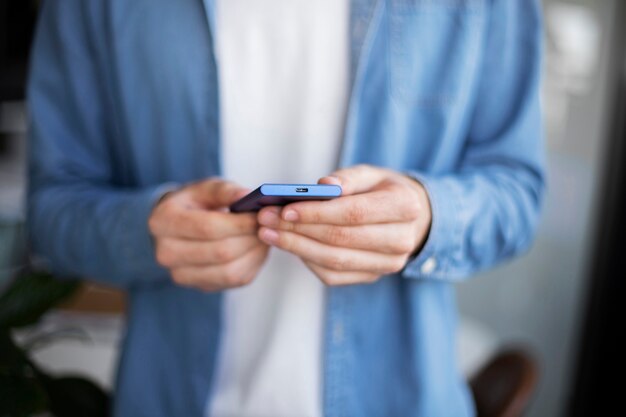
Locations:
(424, 217)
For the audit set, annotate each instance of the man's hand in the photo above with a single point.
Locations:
(380, 220)
(203, 245)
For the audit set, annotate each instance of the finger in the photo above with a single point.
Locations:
(201, 224)
(391, 204)
(236, 273)
(334, 258)
(356, 179)
(336, 278)
(216, 193)
(172, 252)
(392, 238)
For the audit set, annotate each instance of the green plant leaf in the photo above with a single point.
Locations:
(21, 397)
(76, 397)
(30, 296)
(21, 390)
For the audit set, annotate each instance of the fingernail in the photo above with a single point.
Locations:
(269, 235)
(290, 215)
(269, 218)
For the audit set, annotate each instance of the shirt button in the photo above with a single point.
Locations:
(429, 265)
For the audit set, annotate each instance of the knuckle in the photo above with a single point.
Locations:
(345, 178)
(337, 234)
(403, 245)
(164, 211)
(411, 206)
(162, 258)
(285, 241)
(179, 277)
(247, 279)
(393, 186)
(161, 214)
(217, 185)
(337, 263)
(168, 203)
(153, 223)
(292, 227)
(371, 278)
(411, 209)
(248, 223)
(331, 280)
(308, 215)
(206, 230)
(232, 277)
(227, 190)
(223, 254)
(164, 255)
(398, 264)
(356, 213)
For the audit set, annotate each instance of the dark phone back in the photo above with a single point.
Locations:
(283, 194)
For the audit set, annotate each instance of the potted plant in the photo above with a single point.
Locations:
(25, 388)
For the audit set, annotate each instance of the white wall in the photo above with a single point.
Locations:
(537, 300)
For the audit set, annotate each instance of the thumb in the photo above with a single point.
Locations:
(217, 193)
(356, 179)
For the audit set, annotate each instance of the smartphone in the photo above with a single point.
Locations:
(282, 194)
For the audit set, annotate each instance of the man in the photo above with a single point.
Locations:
(150, 117)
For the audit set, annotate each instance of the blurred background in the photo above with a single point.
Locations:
(552, 302)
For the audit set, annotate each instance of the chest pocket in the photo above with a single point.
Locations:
(433, 47)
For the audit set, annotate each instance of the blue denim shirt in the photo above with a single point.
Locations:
(124, 102)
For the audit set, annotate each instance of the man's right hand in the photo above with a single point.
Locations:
(203, 245)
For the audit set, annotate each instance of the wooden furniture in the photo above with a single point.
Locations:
(503, 387)
(96, 298)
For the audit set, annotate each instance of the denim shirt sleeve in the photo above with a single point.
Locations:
(486, 210)
(79, 223)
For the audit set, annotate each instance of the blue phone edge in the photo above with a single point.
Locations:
(281, 194)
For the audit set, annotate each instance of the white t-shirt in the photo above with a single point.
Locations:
(283, 73)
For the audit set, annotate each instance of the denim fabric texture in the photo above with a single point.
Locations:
(124, 105)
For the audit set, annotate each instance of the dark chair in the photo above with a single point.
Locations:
(504, 385)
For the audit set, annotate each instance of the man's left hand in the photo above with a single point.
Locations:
(380, 220)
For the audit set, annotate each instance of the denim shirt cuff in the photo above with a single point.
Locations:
(443, 244)
(138, 245)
